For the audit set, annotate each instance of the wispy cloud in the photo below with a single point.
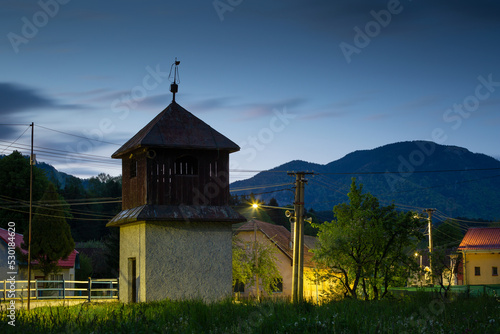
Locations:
(420, 103)
(324, 114)
(258, 110)
(16, 98)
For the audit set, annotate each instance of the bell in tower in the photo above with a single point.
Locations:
(175, 223)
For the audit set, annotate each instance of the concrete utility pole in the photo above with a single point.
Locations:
(298, 238)
(429, 220)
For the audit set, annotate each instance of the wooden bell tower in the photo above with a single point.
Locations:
(175, 223)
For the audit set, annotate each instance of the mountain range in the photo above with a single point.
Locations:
(413, 175)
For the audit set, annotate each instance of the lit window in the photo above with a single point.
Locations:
(494, 271)
(477, 271)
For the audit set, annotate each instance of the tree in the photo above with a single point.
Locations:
(447, 235)
(366, 247)
(15, 189)
(50, 234)
(256, 265)
(444, 268)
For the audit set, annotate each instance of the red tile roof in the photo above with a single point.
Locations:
(280, 235)
(68, 263)
(481, 238)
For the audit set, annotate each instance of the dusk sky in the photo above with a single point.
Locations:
(285, 80)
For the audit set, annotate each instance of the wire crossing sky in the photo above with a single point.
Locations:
(285, 80)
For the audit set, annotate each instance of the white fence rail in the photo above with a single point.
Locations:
(61, 289)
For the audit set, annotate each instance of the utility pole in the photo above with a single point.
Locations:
(32, 161)
(298, 238)
(256, 254)
(429, 220)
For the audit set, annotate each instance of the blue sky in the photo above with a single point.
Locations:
(285, 80)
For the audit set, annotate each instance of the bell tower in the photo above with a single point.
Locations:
(175, 223)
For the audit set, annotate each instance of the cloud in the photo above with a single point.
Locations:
(9, 133)
(16, 98)
(420, 103)
(377, 117)
(258, 110)
(324, 114)
(211, 104)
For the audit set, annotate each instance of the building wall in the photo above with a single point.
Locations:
(485, 261)
(4, 268)
(188, 260)
(313, 286)
(284, 263)
(132, 242)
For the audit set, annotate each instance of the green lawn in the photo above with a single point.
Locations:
(420, 313)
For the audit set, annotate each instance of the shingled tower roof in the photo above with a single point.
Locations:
(175, 127)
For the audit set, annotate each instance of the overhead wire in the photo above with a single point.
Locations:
(16, 139)
(78, 136)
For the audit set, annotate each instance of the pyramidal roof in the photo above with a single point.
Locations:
(175, 127)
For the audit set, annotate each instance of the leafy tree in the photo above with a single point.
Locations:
(444, 267)
(112, 252)
(242, 270)
(256, 265)
(367, 246)
(447, 235)
(85, 270)
(278, 215)
(15, 189)
(50, 234)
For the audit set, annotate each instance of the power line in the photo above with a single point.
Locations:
(78, 136)
(414, 172)
(16, 139)
(260, 187)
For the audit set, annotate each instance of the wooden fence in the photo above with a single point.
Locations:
(41, 289)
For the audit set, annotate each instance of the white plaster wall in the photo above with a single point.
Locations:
(188, 260)
(4, 267)
(132, 240)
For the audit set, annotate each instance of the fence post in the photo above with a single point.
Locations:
(4, 290)
(90, 289)
(64, 289)
(36, 289)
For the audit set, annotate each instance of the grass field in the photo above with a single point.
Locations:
(420, 313)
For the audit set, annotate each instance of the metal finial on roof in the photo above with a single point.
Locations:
(176, 80)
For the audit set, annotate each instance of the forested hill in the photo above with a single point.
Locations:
(417, 174)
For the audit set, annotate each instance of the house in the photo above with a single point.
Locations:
(66, 267)
(271, 234)
(175, 224)
(480, 250)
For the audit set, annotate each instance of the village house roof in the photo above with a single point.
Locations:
(68, 263)
(280, 236)
(481, 238)
(175, 127)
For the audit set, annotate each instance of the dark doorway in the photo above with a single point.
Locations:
(132, 280)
